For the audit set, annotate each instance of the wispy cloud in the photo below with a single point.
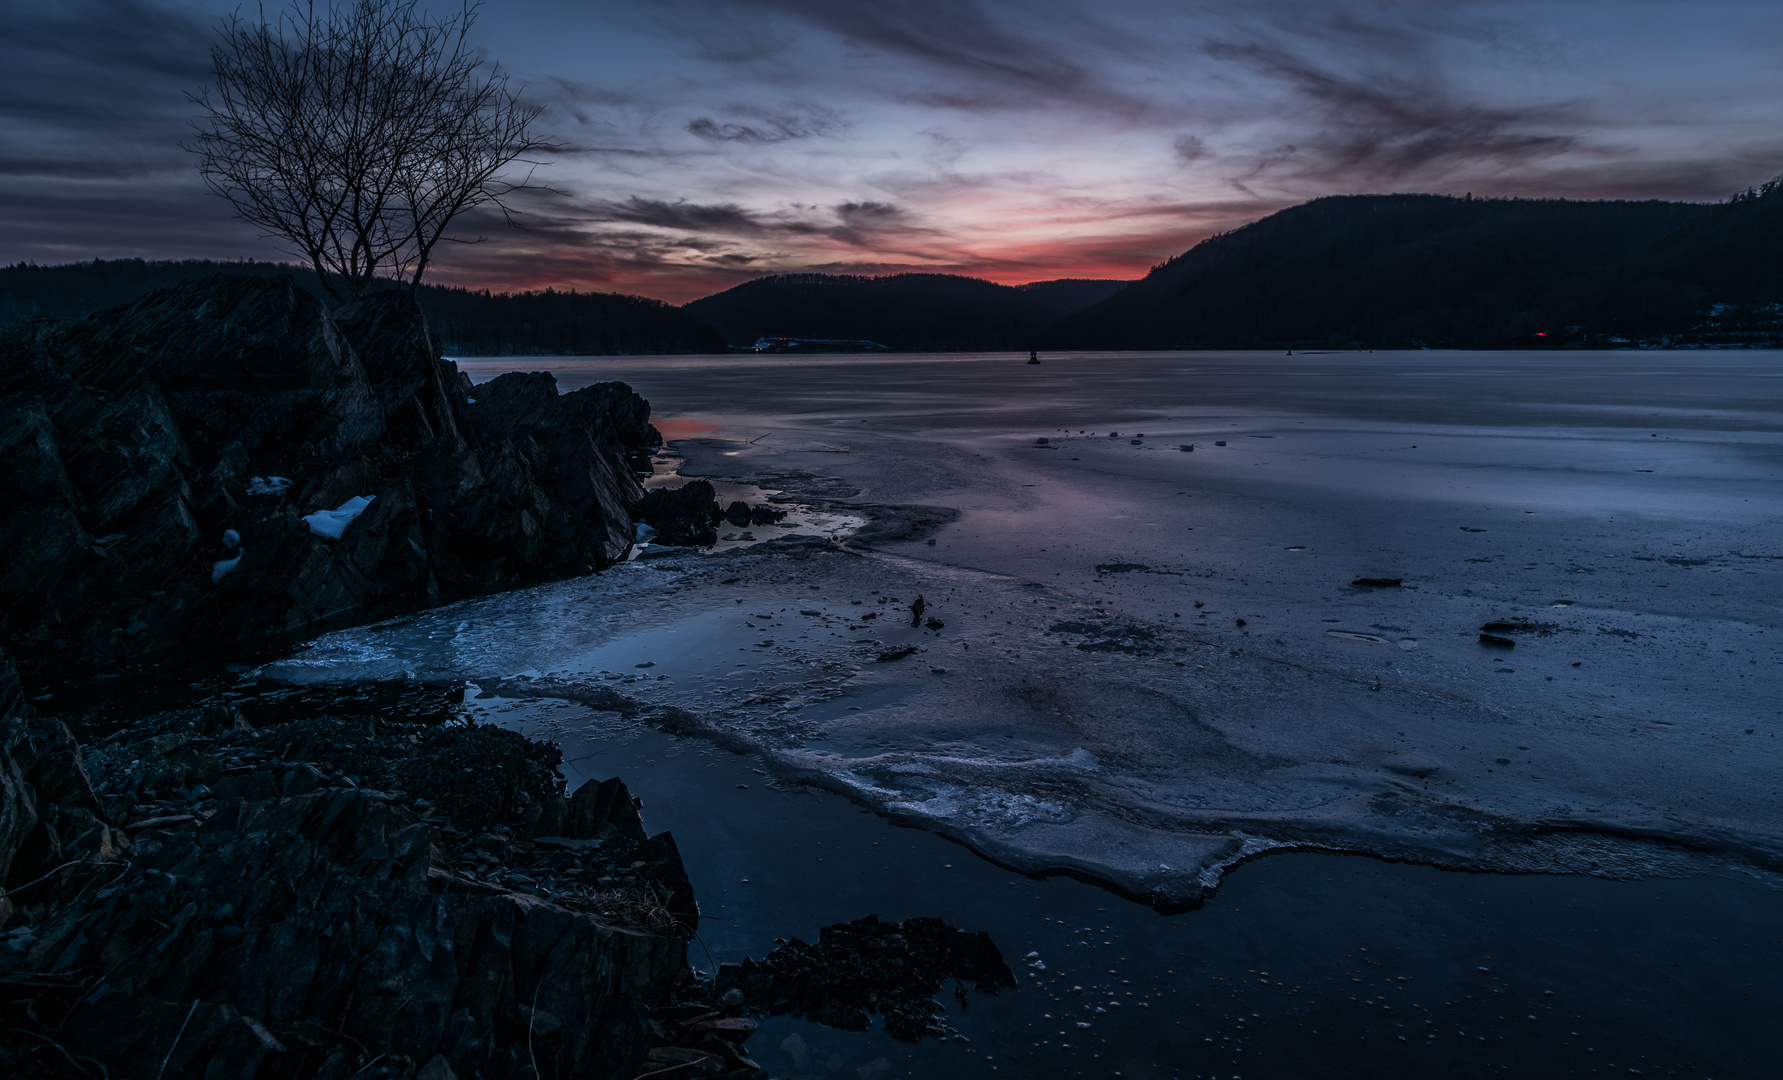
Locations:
(95, 88)
(766, 126)
(1396, 117)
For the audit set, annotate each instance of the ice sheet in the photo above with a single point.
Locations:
(1093, 702)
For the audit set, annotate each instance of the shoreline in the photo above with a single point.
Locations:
(995, 1026)
(1564, 948)
(811, 857)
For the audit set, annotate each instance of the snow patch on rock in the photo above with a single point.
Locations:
(331, 524)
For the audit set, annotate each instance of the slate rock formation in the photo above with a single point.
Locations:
(276, 913)
(157, 462)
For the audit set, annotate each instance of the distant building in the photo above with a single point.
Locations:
(815, 345)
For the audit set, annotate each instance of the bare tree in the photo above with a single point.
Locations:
(357, 131)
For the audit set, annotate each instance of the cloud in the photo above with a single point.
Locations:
(1383, 125)
(772, 126)
(857, 223)
(1188, 148)
(869, 224)
(95, 88)
(991, 55)
(683, 215)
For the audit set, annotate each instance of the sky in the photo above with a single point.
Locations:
(702, 143)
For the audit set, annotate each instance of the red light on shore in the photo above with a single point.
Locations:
(1538, 333)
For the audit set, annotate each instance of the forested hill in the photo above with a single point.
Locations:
(906, 312)
(467, 323)
(1399, 271)
(552, 323)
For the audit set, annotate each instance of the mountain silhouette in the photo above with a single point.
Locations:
(906, 312)
(1407, 271)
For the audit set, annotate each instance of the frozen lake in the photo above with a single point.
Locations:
(1153, 662)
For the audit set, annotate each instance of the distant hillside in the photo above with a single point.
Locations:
(552, 323)
(467, 323)
(909, 312)
(1401, 271)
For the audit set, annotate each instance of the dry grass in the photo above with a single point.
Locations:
(640, 907)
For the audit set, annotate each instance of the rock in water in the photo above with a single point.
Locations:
(870, 966)
(138, 437)
(684, 515)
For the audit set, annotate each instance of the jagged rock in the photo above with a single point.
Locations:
(684, 515)
(48, 812)
(137, 437)
(305, 917)
(870, 966)
(529, 401)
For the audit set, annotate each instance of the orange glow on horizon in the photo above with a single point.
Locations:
(1038, 260)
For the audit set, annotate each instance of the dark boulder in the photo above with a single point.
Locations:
(136, 439)
(529, 401)
(683, 515)
(870, 966)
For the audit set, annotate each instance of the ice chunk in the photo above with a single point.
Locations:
(268, 485)
(221, 567)
(642, 533)
(332, 523)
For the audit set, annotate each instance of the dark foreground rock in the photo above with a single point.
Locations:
(869, 966)
(206, 899)
(158, 462)
(688, 516)
(309, 889)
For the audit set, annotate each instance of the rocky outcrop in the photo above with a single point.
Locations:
(158, 463)
(683, 516)
(284, 909)
(871, 966)
(688, 516)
